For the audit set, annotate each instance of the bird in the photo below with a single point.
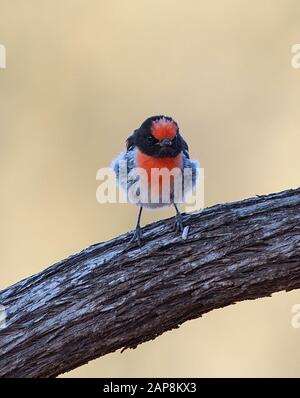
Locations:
(157, 145)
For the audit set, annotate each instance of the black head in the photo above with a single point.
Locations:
(159, 137)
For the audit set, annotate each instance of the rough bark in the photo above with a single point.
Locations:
(109, 297)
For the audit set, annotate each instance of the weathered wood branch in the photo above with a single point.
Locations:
(108, 297)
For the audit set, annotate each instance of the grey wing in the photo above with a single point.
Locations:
(192, 172)
(125, 163)
(192, 165)
(123, 167)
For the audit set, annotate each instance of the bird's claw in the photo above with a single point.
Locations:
(136, 239)
(178, 224)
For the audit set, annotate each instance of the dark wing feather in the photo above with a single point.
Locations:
(184, 146)
(130, 142)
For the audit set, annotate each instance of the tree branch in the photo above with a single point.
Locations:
(108, 297)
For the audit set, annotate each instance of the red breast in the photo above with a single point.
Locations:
(147, 163)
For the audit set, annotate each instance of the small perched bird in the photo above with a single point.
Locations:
(157, 146)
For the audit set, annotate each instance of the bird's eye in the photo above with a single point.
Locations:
(151, 139)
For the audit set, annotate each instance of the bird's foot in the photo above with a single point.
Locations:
(178, 224)
(136, 239)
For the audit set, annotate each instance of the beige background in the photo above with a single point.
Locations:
(81, 74)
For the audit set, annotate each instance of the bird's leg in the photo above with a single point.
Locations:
(137, 235)
(178, 224)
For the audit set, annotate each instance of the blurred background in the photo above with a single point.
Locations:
(80, 76)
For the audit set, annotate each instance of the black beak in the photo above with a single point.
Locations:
(165, 143)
